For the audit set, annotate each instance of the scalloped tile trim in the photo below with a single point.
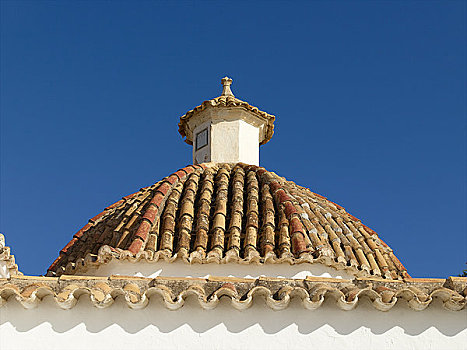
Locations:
(312, 291)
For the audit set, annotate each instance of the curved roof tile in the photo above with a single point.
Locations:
(229, 213)
(277, 292)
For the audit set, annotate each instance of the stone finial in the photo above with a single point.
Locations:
(226, 82)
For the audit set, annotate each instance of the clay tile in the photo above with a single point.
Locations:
(172, 179)
(135, 246)
(164, 188)
(369, 230)
(274, 185)
(130, 196)
(320, 196)
(97, 217)
(230, 286)
(381, 289)
(387, 296)
(353, 217)
(352, 294)
(298, 244)
(338, 206)
(181, 173)
(52, 266)
(189, 169)
(143, 230)
(157, 199)
(72, 242)
(282, 196)
(295, 225)
(289, 209)
(116, 204)
(81, 232)
(150, 213)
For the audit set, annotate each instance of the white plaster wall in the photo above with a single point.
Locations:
(230, 141)
(234, 141)
(191, 327)
(4, 272)
(248, 151)
(225, 141)
(181, 269)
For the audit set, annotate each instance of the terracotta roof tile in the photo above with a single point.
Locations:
(383, 294)
(229, 213)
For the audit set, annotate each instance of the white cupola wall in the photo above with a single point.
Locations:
(227, 136)
(226, 129)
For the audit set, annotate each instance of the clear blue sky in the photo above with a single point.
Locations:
(369, 98)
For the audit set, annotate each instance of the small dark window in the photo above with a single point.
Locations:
(201, 139)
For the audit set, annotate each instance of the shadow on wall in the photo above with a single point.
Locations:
(199, 320)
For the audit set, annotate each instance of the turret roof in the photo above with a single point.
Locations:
(226, 100)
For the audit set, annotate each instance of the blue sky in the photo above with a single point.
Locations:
(369, 99)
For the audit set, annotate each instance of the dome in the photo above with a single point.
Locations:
(228, 214)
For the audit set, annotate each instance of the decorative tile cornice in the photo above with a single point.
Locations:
(277, 292)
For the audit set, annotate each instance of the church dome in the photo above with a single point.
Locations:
(228, 213)
(221, 210)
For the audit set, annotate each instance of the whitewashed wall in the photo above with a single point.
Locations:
(191, 327)
(234, 141)
(4, 272)
(181, 269)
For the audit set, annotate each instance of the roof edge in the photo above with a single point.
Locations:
(228, 102)
(277, 292)
(106, 254)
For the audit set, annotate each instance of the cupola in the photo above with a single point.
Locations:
(225, 215)
(226, 129)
